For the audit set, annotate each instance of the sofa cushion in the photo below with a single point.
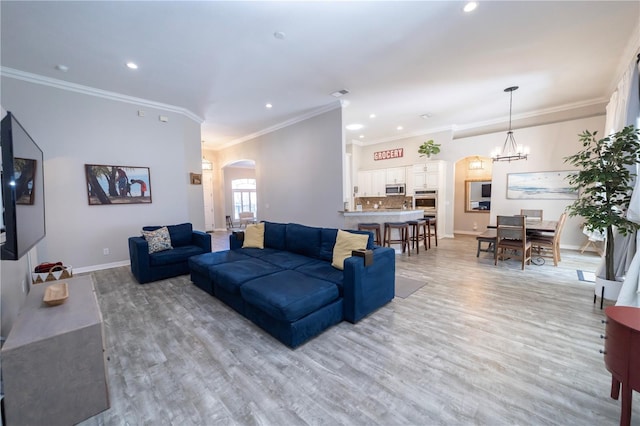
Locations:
(288, 295)
(254, 236)
(346, 242)
(259, 253)
(304, 240)
(230, 276)
(203, 263)
(287, 260)
(323, 270)
(177, 255)
(158, 239)
(274, 235)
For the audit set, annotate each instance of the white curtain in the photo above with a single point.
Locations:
(627, 112)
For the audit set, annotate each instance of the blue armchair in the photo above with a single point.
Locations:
(186, 242)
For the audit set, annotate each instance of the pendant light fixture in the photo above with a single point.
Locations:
(511, 151)
(476, 164)
(206, 164)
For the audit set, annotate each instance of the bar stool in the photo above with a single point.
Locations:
(432, 221)
(418, 232)
(229, 222)
(372, 227)
(403, 235)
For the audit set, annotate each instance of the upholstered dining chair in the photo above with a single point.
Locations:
(511, 234)
(531, 214)
(550, 241)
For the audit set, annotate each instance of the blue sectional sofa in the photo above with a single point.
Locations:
(185, 242)
(289, 288)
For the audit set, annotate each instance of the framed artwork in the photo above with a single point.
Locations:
(540, 186)
(196, 178)
(117, 184)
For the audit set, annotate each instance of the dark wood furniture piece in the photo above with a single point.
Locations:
(489, 236)
(512, 236)
(536, 225)
(375, 228)
(621, 349)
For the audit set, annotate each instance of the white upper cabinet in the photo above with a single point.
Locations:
(428, 175)
(371, 183)
(395, 175)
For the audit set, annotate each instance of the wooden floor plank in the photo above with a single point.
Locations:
(478, 344)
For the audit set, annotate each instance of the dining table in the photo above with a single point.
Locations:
(535, 225)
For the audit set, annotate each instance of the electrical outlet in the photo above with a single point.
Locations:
(105, 251)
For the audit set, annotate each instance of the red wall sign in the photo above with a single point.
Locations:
(389, 153)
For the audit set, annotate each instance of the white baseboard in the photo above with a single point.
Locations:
(92, 268)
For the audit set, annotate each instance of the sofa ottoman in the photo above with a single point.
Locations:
(228, 277)
(201, 265)
(292, 306)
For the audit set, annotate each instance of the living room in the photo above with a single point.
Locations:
(75, 126)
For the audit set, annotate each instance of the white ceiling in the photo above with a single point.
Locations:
(220, 60)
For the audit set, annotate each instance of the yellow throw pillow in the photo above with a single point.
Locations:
(254, 236)
(345, 243)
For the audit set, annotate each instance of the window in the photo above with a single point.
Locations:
(244, 197)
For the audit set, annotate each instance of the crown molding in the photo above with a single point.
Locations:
(91, 91)
(321, 110)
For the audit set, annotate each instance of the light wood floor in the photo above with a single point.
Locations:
(479, 344)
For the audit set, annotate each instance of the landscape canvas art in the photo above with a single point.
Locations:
(540, 186)
(117, 184)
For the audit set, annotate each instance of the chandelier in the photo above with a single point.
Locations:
(511, 150)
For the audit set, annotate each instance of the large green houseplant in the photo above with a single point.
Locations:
(604, 182)
(429, 148)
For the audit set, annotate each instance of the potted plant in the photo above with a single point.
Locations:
(605, 183)
(429, 148)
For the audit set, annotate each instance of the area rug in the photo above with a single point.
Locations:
(586, 276)
(405, 287)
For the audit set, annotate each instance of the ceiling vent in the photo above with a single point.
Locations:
(340, 93)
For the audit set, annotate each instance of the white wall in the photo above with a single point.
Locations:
(299, 173)
(75, 129)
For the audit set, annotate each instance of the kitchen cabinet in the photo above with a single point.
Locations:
(395, 175)
(371, 183)
(409, 180)
(428, 175)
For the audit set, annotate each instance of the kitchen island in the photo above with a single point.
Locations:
(353, 218)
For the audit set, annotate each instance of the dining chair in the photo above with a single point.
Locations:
(511, 234)
(531, 214)
(550, 241)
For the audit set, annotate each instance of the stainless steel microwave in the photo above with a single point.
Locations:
(396, 189)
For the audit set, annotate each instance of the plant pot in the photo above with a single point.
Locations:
(606, 289)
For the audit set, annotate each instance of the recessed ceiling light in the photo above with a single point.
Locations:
(399, 128)
(426, 116)
(361, 136)
(279, 35)
(62, 68)
(339, 93)
(132, 65)
(354, 126)
(372, 116)
(268, 106)
(470, 6)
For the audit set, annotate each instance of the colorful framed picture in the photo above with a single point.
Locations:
(117, 184)
(540, 186)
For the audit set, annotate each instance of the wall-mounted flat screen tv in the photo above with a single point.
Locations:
(23, 220)
(486, 190)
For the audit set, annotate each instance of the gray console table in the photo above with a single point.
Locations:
(53, 361)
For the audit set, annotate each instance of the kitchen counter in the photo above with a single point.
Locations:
(352, 218)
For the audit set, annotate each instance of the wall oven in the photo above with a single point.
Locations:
(427, 200)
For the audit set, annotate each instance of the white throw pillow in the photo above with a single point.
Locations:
(158, 240)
